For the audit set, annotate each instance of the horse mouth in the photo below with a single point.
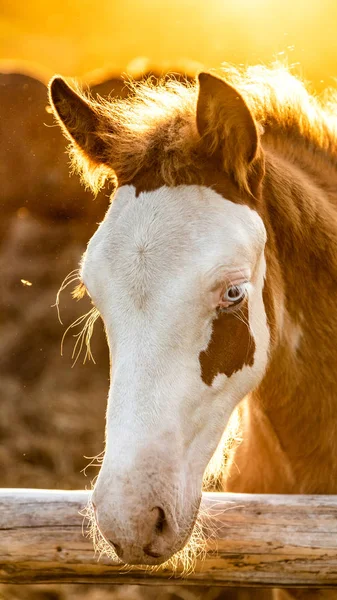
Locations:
(173, 559)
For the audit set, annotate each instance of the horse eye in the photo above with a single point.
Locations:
(234, 294)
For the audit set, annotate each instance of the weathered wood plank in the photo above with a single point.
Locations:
(260, 540)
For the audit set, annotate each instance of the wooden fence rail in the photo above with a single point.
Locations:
(261, 540)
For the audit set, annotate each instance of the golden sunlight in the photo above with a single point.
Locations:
(214, 273)
(130, 35)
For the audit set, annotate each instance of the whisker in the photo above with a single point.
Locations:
(75, 323)
(89, 526)
(212, 480)
(89, 319)
(98, 458)
(83, 336)
(68, 280)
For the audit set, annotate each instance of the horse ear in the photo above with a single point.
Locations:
(228, 130)
(80, 120)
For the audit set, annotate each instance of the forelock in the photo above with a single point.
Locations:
(154, 128)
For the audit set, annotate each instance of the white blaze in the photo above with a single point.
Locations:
(150, 269)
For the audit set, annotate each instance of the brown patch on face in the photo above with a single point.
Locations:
(204, 172)
(231, 346)
(147, 181)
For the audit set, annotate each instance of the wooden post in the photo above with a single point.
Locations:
(261, 540)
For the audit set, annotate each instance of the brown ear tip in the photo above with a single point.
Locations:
(56, 81)
(58, 87)
(203, 77)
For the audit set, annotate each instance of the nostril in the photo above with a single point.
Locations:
(117, 547)
(158, 529)
(161, 521)
(149, 552)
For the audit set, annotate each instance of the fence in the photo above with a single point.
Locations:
(260, 540)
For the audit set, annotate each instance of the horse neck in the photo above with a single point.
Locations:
(298, 395)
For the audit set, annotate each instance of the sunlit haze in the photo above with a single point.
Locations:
(80, 36)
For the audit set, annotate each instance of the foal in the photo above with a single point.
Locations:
(215, 273)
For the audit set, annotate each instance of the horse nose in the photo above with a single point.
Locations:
(154, 540)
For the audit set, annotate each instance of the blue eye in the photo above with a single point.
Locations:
(234, 294)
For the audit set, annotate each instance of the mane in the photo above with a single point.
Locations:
(155, 128)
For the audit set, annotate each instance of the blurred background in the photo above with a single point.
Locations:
(52, 415)
(74, 38)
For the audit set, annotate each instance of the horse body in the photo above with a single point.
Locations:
(236, 234)
(289, 440)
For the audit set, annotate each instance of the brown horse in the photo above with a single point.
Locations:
(215, 272)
